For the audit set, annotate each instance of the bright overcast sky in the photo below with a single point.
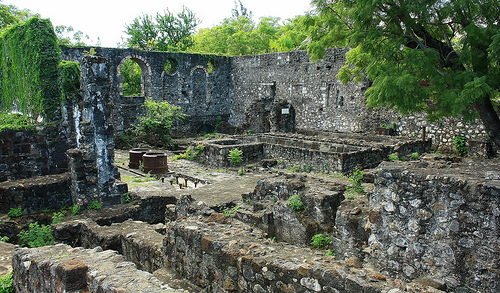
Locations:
(106, 19)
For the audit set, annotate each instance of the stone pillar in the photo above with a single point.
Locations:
(93, 172)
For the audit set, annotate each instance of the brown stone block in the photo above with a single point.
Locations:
(375, 217)
(72, 275)
(206, 243)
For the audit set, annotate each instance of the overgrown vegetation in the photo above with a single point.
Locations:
(320, 241)
(29, 65)
(295, 202)
(6, 285)
(155, 127)
(14, 121)
(356, 181)
(69, 79)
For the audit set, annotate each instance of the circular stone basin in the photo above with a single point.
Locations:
(135, 156)
(155, 162)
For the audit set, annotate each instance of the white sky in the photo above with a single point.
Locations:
(107, 19)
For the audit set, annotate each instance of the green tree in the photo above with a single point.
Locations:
(165, 32)
(293, 36)
(10, 14)
(437, 56)
(67, 36)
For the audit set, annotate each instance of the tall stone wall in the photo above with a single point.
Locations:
(200, 84)
(320, 100)
(260, 93)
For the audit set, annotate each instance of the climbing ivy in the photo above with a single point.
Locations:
(69, 79)
(29, 58)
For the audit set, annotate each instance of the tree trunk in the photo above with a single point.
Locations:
(490, 120)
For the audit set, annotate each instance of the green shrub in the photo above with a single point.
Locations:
(36, 236)
(460, 145)
(393, 157)
(74, 210)
(320, 241)
(241, 172)
(356, 179)
(235, 156)
(57, 218)
(95, 205)
(6, 285)
(295, 202)
(414, 156)
(4, 238)
(155, 126)
(15, 212)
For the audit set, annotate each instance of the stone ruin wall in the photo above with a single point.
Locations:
(248, 90)
(320, 100)
(202, 95)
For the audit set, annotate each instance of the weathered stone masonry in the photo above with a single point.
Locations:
(202, 95)
(431, 223)
(261, 93)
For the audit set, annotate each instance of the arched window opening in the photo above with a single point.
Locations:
(170, 66)
(132, 78)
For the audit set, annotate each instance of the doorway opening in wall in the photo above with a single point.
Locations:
(132, 78)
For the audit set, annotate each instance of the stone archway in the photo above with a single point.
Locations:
(145, 77)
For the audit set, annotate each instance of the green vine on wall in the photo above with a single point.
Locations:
(69, 79)
(29, 58)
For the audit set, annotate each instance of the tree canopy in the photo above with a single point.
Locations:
(241, 35)
(165, 32)
(10, 14)
(437, 56)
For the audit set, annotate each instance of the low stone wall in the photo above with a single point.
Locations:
(216, 152)
(273, 214)
(333, 153)
(35, 194)
(61, 268)
(136, 240)
(433, 223)
(29, 153)
(234, 257)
